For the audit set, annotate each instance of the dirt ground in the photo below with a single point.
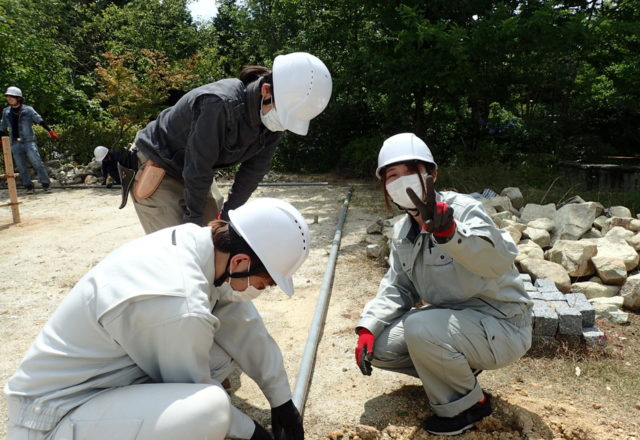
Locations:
(66, 232)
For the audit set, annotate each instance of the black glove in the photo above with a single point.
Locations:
(224, 214)
(437, 217)
(260, 433)
(286, 422)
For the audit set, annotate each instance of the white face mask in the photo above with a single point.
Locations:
(398, 189)
(228, 293)
(271, 120)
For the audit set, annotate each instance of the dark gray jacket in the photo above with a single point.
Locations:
(214, 126)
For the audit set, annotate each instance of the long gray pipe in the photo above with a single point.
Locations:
(308, 361)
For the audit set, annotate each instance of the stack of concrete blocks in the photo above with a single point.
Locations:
(557, 315)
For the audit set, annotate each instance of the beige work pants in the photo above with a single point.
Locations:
(163, 411)
(166, 206)
(443, 346)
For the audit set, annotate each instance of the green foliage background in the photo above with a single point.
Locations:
(510, 84)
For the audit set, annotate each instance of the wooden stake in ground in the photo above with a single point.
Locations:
(11, 179)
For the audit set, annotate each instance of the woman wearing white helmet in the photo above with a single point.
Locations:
(447, 253)
(109, 163)
(228, 122)
(140, 345)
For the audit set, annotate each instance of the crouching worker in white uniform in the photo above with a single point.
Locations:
(447, 253)
(138, 348)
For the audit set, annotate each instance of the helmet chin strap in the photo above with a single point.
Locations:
(258, 268)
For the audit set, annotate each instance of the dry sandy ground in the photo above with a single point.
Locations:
(66, 232)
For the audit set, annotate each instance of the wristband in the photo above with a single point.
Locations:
(447, 232)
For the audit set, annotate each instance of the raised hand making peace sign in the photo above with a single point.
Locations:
(437, 216)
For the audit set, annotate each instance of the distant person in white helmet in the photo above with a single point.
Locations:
(19, 118)
(109, 164)
(140, 346)
(228, 122)
(448, 254)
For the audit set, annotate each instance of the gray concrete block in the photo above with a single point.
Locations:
(545, 319)
(529, 287)
(579, 302)
(525, 277)
(542, 341)
(545, 285)
(556, 295)
(569, 321)
(593, 336)
(536, 294)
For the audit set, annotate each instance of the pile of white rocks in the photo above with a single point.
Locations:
(582, 247)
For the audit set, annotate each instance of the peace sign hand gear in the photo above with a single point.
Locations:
(437, 216)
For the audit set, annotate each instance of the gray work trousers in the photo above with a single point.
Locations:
(442, 346)
(166, 206)
(155, 411)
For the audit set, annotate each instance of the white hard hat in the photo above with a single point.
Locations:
(13, 91)
(100, 153)
(301, 89)
(277, 233)
(401, 148)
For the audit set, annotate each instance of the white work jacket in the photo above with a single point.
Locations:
(475, 269)
(143, 314)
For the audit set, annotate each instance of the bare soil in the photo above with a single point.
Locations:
(66, 232)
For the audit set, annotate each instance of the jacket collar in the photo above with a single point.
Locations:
(253, 101)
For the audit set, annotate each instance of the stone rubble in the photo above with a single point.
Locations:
(65, 174)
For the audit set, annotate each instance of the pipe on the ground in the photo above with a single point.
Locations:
(307, 363)
(282, 184)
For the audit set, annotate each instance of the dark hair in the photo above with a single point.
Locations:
(227, 240)
(412, 165)
(249, 74)
(20, 99)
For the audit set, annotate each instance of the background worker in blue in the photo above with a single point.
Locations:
(109, 164)
(447, 253)
(19, 119)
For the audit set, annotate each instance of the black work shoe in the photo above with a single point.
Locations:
(30, 190)
(458, 424)
(46, 187)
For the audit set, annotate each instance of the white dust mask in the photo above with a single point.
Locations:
(398, 190)
(228, 293)
(271, 120)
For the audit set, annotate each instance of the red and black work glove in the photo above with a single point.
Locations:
(286, 422)
(53, 134)
(437, 217)
(364, 351)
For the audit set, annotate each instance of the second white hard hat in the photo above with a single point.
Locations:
(277, 233)
(100, 153)
(301, 89)
(403, 147)
(13, 91)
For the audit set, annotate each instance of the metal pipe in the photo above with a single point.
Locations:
(307, 363)
(282, 184)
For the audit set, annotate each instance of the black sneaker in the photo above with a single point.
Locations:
(46, 187)
(458, 424)
(30, 189)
